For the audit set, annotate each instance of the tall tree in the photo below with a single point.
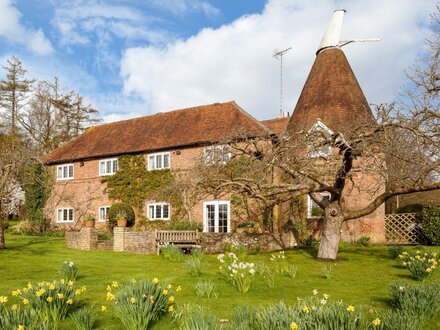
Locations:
(15, 155)
(14, 92)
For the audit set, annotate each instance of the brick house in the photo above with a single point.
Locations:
(331, 98)
(173, 140)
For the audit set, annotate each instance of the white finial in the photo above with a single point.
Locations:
(333, 32)
(331, 35)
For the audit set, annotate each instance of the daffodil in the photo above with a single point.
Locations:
(376, 322)
(110, 296)
(115, 284)
(52, 287)
(179, 288)
(69, 301)
(14, 307)
(21, 327)
(60, 295)
(103, 308)
(294, 326)
(16, 293)
(3, 299)
(171, 299)
(70, 283)
(25, 301)
(306, 310)
(165, 292)
(170, 309)
(155, 280)
(133, 300)
(78, 292)
(350, 309)
(49, 299)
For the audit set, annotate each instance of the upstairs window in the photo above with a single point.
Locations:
(65, 172)
(108, 166)
(159, 161)
(159, 211)
(318, 137)
(314, 210)
(65, 214)
(217, 155)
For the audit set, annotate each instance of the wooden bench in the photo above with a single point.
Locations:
(180, 238)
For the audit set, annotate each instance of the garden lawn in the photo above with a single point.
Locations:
(361, 277)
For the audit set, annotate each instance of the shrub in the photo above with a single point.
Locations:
(430, 218)
(189, 316)
(172, 253)
(104, 235)
(138, 304)
(185, 225)
(51, 300)
(410, 208)
(27, 228)
(420, 264)
(83, 319)
(68, 271)
(394, 251)
(194, 265)
(363, 241)
(122, 209)
(238, 274)
(205, 289)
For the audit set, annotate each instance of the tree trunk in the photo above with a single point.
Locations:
(2, 237)
(331, 232)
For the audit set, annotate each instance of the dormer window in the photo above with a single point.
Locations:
(65, 172)
(159, 161)
(318, 140)
(108, 166)
(217, 154)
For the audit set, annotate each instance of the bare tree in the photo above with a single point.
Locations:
(397, 153)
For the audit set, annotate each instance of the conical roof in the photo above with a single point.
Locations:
(332, 95)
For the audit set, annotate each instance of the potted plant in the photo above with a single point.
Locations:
(121, 219)
(89, 221)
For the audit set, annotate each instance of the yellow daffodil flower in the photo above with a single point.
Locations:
(69, 301)
(350, 309)
(171, 299)
(25, 302)
(103, 308)
(49, 299)
(294, 326)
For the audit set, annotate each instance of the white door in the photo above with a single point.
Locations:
(216, 217)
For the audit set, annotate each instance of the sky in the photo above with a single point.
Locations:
(132, 58)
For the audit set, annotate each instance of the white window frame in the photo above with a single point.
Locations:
(324, 150)
(152, 165)
(100, 219)
(216, 204)
(62, 167)
(62, 210)
(105, 161)
(155, 205)
(208, 151)
(310, 203)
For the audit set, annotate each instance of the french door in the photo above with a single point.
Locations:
(216, 216)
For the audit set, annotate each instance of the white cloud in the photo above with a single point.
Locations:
(14, 32)
(235, 61)
(78, 21)
(184, 7)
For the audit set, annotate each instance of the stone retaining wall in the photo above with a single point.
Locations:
(85, 239)
(127, 240)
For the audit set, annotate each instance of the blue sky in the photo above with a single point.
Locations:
(131, 58)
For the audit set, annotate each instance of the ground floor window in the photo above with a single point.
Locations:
(65, 214)
(103, 213)
(216, 217)
(158, 211)
(313, 209)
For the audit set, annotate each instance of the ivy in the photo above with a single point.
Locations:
(37, 190)
(134, 185)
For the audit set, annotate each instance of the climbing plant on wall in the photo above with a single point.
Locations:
(134, 185)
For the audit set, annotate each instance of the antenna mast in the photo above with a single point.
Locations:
(278, 54)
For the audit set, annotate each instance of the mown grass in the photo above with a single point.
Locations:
(361, 276)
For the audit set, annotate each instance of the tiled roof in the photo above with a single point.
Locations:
(277, 125)
(331, 94)
(179, 128)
